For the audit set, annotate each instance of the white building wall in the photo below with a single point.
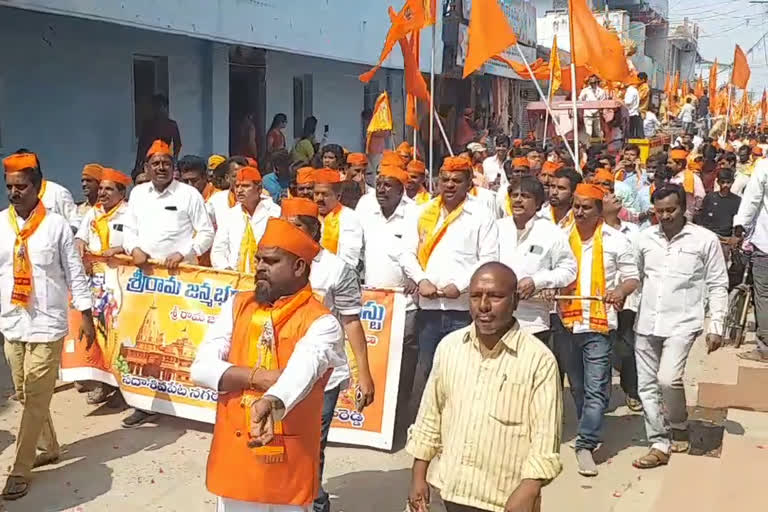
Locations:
(66, 91)
(337, 96)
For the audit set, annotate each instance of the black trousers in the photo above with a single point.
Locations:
(635, 128)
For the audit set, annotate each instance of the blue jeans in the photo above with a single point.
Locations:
(330, 397)
(433, 326)
(589, 372)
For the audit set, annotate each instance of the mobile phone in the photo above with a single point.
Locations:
(325, 129)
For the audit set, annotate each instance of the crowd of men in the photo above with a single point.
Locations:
(519, 268)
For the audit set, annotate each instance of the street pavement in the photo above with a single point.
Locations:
(161, 466)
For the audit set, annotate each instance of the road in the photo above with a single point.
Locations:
(161, 467)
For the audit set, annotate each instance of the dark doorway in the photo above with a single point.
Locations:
(247, 101)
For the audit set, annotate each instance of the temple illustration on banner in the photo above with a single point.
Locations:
(150, 356)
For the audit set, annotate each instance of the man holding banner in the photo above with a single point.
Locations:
(269, 354)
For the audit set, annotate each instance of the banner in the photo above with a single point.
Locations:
(149, 326)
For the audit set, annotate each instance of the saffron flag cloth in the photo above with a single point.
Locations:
(414, 80)
(699, 89)
(411, 102)
(540, 67)
(149, 327)
(667, 84)
(381, 120)
(713, 88)
(595, 47)
(740, 73)
(554, 65)
(410, 18)
(582, 73)
(764, 108)
(489, 34)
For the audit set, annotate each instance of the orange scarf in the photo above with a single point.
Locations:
(42, 189)
(208, 191)
(688, 181)
(22, 265)
(429, 237)
(572, 311)
(331, 230)
(262, 353)
(231, 199)
(100, 223)
(246, 261)
(422, 196)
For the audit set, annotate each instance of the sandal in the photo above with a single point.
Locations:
(652, 459)
(98, 395)
(15, 487)
(44, 459)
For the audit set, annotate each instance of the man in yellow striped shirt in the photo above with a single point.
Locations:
(492, 408)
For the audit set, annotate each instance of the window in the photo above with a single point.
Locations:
(302, 102)
(150, 77)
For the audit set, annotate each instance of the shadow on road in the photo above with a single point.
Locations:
(362, 491)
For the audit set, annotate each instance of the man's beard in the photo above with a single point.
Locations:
(263, 292)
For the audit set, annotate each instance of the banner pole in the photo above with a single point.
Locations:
(574, 86)
(432, 106)
(549, 95)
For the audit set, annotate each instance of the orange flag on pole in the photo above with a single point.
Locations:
(741, 72)
(712, 87)
(410, 18)
(489, 34)
(698, 91)
(540, 67)
(554, 65)
(667, 84)
(594, 46)
(686, 91)
(381, 120)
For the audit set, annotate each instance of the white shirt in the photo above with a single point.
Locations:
(217, 206)
(384, 245)
(692, 201)
(225, 251)
(740, 181)
(321, 348)
(631, 231)
(487, 198)
(56, 270)
(540, 251)
(754, 206)
(678, 276)
(493, 168)
(87, 234)
(650, 124)
(57, 199)
(632, 100)
(471, 240)
(687, 113)
(350, 245)
(337, 286)
(162, 223)
(589, 94)
(618, 259)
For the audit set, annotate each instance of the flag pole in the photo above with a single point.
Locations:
(728, 113)
(432, 105)
(575, 152)
(541, 93)
(445, 137)
(549, 95)
(415, 131)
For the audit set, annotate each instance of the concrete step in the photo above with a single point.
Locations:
(730, 382)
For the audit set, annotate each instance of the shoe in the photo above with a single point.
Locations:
(753, 355)
(587, 466)
(634, 404)
(44, 459)
(681, 441)
(138, 418)
(99, 394)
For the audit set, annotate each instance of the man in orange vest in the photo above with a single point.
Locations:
(269, 354)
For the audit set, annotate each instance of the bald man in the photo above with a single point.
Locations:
(514, 456)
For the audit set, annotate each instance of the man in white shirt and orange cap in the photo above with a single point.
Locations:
(342, 233)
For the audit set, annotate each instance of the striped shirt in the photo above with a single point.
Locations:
(493, 417)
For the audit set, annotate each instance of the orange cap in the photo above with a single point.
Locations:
(521, 161)
(416, 166)
(252, 162)
(327, 176)
(757, 151)
(550, 167)
(406, 148)
(293, 206)
(114, 176)
(752, 143)
(248, 174)
(395, 172)
(305, 175)
(517, 143)
(456, 163)
(92, 171)
(357, 159)
(159, 146)
(604, 175)
(589, 191)
(20, 162)
(678, 154)
(284, 235)
(391, 158)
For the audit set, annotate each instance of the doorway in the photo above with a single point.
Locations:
(247, 101)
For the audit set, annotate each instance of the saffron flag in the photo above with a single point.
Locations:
(414, 80)
(712, 87)
(740, 72)
(411, 116)
(539, 67)
(667, 84)
(764, 108)
(489, 34)
(381, 120)
(554, 65)
(685, 92)
(410, 18)
(698, 91)
(582, 73)
(595, 47)
(430, 12)
(676, 84)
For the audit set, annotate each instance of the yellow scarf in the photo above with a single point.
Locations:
(508, 206)
(331, 230)
(22, 265)
(100, 224)
(428, 236)
(688, 181)
(246, 262)
(566, 222)
(422, 196)
(262, 353)
(231, 199)
(42, 189)
(571, 311)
